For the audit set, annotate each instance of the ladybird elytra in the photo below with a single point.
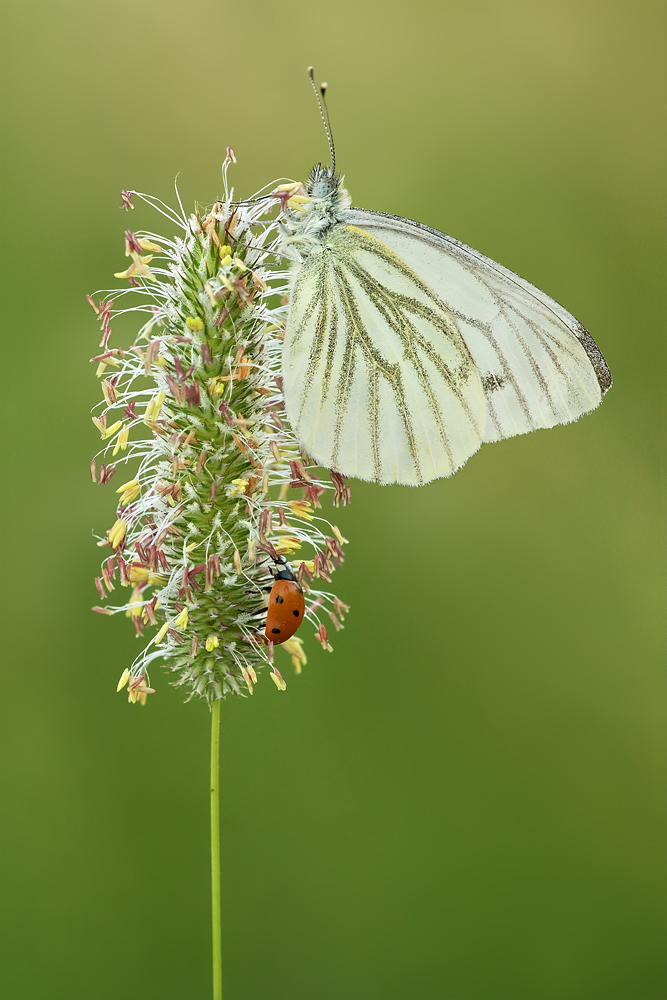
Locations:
(285, 611)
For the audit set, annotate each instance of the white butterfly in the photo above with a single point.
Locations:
(405, 349)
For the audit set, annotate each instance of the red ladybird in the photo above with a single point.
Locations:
(286, 606)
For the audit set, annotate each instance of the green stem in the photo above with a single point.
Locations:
(215, 850)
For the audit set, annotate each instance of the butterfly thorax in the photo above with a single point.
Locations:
(328, 202)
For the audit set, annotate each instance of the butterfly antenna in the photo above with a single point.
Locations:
(322, 105)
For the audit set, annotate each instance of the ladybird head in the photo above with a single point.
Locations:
(282, 569)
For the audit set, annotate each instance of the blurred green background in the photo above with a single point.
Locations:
(466, 801)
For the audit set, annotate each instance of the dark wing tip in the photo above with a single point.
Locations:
(594, 353)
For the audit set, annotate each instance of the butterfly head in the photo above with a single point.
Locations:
(323, 183)
(325, 204)
(325, 189)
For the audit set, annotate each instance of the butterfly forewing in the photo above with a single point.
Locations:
(537, 364)
(379, 383)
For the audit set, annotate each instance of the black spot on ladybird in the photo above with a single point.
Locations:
(295, 612)
(279, 599)
(275, 631)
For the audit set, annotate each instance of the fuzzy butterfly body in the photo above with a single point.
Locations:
(405, 349)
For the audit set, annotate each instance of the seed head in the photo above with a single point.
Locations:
(218, 489)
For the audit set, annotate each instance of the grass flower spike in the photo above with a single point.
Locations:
(217, 492)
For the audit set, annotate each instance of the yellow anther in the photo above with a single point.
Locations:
(130, 492)
(128, 486)
(138, 574)
(237, 562)
(246, 678)
(226, 261)
(129, 497)
(194, 324)
(294, 647)
(153, 407)
(147, 245)
(302, 509)
(287, 545)
(212, 643)
(121, 441)
(161, 634)
(139, 265)
(297, 202)
(225, 251)
(308, 563)
(278, 681)
(216, 386)
(124, 678)
(117, 533)
(134, 604)
(237, 488)
(107, 432)
(181, 620)
(109, 392)
(338, 536)
(137, 690)
(253, 675)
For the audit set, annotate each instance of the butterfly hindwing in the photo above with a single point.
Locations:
(378, 381)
